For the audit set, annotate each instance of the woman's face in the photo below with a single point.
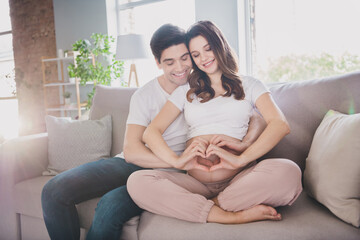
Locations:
(203, 55)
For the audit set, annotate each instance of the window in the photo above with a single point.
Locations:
(8, 101)
(288, 40)
(144, 17)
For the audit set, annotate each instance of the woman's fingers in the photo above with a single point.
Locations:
(200, 150)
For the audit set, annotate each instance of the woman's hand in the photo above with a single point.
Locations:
(189, 159)
(227, 159)
(229, 142)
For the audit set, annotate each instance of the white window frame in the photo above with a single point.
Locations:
(245, 43)
(7, 60)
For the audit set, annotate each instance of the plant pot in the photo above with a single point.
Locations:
(67, 101)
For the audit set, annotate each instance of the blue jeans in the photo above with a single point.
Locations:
(91, 180)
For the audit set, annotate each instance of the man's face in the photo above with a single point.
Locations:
(176, 63)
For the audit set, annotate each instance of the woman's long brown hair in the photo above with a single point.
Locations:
(200, 83)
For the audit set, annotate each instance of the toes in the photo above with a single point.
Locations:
(271, 213)
(276, 217)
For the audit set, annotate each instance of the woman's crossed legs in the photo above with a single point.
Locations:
(250, 196)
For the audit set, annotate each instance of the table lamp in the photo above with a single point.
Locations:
(131, 47)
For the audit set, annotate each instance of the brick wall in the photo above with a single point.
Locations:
(33, 37)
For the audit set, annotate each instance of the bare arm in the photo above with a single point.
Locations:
(257, 125)
(153, 134)
(135, 150)
(276, 129)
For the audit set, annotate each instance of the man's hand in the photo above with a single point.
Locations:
(229, 142)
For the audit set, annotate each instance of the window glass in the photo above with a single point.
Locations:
(146, 19)
(4, 16)
(9, 120)
(304, 39)
(7, 75)
(6, 50)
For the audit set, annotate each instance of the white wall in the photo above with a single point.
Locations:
(224, 14)
(78, 19)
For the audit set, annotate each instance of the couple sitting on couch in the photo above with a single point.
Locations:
(197, 121)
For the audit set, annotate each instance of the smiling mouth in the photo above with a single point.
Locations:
(180, 75)
(208, 63)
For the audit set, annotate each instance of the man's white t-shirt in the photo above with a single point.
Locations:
(146, 103)
(220, 115)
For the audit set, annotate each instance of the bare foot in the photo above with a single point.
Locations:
(215, 200)
(258, 213)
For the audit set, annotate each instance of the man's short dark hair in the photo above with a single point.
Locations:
(166, 36)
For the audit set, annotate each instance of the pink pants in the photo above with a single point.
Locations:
(273, 182)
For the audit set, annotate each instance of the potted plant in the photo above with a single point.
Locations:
(67, 96)
(95, 62)
(71, 72)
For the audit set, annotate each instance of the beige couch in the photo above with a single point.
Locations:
(304, 104)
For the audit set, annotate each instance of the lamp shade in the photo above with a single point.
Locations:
(130, 46)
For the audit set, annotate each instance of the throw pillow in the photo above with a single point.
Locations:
(72, 143)
(332, 173)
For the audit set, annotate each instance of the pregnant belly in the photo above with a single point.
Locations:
(215, 176)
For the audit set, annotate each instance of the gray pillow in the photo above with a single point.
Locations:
(332, 173)
(72, 143)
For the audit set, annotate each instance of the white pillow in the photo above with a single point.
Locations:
(72, 143)
(332, 173)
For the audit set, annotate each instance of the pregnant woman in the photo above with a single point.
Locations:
(217, 105)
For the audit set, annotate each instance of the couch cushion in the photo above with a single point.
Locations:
(114, 101)
(305, 219)
(27, 196)
(332, 173)
(305, 103)
(73, 143)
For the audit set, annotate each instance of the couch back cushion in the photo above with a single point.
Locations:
(305, 104)
(113, 101)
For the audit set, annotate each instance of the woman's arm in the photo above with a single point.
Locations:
(153, 133)
(277, 128)
(136, 152)
(256, 126)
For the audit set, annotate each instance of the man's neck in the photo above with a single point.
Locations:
(166, 85)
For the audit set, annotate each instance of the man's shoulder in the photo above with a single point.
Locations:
(147, 90)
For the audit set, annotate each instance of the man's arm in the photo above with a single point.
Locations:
(257, 125)
(136, 152)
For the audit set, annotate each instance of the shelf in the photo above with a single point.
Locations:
(51, 80)
(71, 107)
(56, 84)
(57, 59)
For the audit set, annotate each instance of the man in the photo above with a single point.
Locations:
(109, 176)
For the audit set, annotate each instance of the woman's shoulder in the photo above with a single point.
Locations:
(250, 82)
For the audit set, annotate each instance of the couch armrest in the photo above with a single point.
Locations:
(20, 159)
(24, 157)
